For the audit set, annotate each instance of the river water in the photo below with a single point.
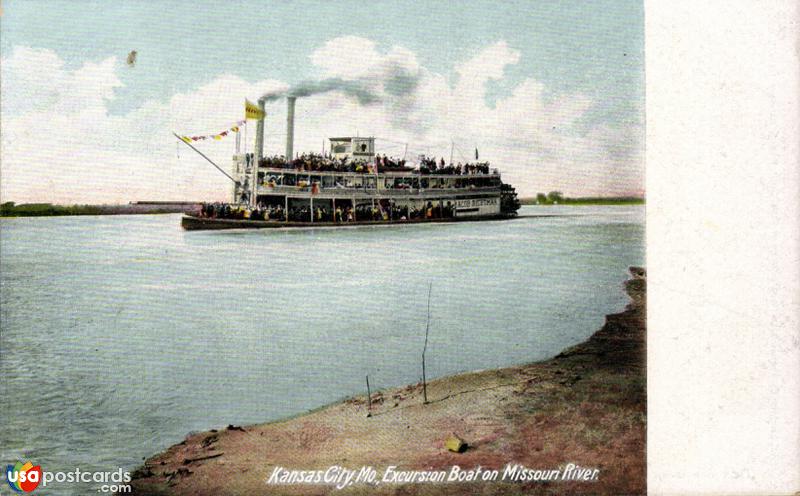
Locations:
(121, 334)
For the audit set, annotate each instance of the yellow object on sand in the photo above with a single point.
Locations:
(455, 444)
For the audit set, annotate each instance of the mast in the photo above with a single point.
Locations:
(452, 145)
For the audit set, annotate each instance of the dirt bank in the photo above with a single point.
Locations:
(586, 406)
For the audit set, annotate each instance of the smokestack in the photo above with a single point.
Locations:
(290, 100)
(259, 151)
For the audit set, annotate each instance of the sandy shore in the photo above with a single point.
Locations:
(586, 406)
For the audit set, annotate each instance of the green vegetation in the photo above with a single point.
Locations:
(557, 198)
(10, 209)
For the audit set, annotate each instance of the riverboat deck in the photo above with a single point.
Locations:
(195, 223)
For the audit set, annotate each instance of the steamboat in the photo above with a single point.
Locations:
(350, 184)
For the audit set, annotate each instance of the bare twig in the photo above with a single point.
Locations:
(425, 348)
(369, 399)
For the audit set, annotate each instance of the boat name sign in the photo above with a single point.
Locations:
(476, 202)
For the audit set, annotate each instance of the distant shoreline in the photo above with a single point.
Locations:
(599, 200)
(10, 209)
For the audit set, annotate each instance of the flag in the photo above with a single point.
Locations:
(186, 139)
(252, 111)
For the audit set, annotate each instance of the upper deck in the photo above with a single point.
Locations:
(363, 180)
(351, 168)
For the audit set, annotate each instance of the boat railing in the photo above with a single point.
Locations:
(279, 189)
(381, 174)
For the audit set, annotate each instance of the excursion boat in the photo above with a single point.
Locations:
(352, 185)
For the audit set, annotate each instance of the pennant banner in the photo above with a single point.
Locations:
(218, 136)
(252, 111)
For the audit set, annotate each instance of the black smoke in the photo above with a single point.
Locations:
(391, 82)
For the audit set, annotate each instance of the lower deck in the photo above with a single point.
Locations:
(196, 223)
(316, 208)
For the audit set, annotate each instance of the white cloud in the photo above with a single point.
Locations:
(347, 57)
(489, 64)
(31, 80)
(60, 144)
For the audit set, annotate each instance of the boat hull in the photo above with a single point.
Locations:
(194, 223)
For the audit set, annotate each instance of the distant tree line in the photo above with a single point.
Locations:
(558, 198)
(11, 209)
(553, 197)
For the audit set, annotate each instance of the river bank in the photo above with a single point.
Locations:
(585, 406)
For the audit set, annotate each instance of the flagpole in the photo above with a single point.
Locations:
(208, 159)
(452, 145)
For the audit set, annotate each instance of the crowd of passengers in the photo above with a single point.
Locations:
(227, 211)
(398, 183)
(429, 166)
(315, 162)
(377, 212)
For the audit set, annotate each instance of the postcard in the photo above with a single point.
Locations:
(323, 248)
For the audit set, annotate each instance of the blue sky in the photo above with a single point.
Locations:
(594, 49)
(596, 46)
